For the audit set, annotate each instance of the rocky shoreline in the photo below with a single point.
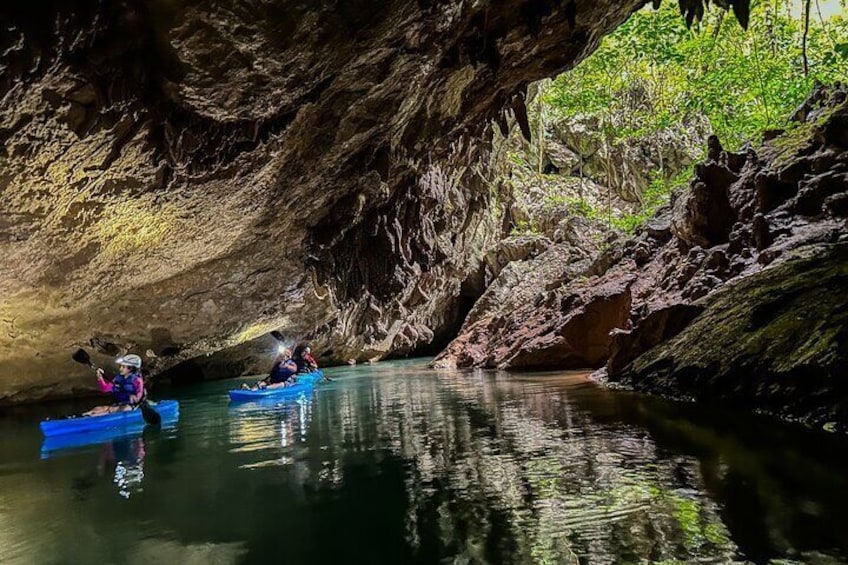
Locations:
(735, 292)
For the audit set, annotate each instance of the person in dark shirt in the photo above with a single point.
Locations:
(304, 360)
(282, 373)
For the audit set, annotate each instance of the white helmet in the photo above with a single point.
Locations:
(129, 360)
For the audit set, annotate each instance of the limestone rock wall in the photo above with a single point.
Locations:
(734, 292)
(177, 178)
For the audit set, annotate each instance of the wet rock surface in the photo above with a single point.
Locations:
(521, 303)
(721, 292)
(775, 341)
(182, 178)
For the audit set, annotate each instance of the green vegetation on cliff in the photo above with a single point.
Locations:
(653, 72)
(654, 85)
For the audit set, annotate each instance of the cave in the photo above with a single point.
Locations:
(223, 172)
(605, 340)
(469, 294)
(182, 180)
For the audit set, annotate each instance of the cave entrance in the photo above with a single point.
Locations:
(611, 138)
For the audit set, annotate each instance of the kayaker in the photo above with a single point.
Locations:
(306, 363)
(127, 388)
(304, 360)
(282, 373)
(283, 370)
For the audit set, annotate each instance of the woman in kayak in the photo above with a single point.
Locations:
(127, 388)
(282, 373)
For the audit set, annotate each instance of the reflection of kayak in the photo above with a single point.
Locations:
(54, 445)
(116, 422)
(270, 404)
(304, 386)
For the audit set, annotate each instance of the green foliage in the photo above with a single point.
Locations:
(653, 72)
(524, 227)
(576, 206)
(657, 195)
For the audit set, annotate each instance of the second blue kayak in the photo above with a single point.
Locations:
(303, 386)
(310, 378)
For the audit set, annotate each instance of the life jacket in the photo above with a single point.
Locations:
(124, 387)
(281, 373)
(303, 365)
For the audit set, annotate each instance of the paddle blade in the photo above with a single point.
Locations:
(278, 336)
(150, 415)
(82, 356)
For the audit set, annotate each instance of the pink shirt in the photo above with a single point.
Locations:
(106, 386)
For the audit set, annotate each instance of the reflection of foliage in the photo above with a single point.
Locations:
(698, 530)
(497, 477)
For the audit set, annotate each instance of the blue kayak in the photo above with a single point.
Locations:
(304, 386)
(311, 378)
(169, 410)
(57, 445)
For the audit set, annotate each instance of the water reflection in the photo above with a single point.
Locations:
(396, 464)
(123, 459)
(119, 461)
(270, 426)
(498, 466)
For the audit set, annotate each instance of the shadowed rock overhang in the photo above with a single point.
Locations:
(181, 177)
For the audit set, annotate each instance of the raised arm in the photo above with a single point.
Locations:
(103, 384)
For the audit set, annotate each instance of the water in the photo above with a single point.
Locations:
(397, 464)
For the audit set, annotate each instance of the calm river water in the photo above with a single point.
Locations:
(398, 464)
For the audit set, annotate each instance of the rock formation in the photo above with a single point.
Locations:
(180, 178)
(735, 291)
(775, 340)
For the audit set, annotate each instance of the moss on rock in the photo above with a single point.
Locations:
(736, 350)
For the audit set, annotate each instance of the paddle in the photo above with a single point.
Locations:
(150, 415)
(279, 337)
